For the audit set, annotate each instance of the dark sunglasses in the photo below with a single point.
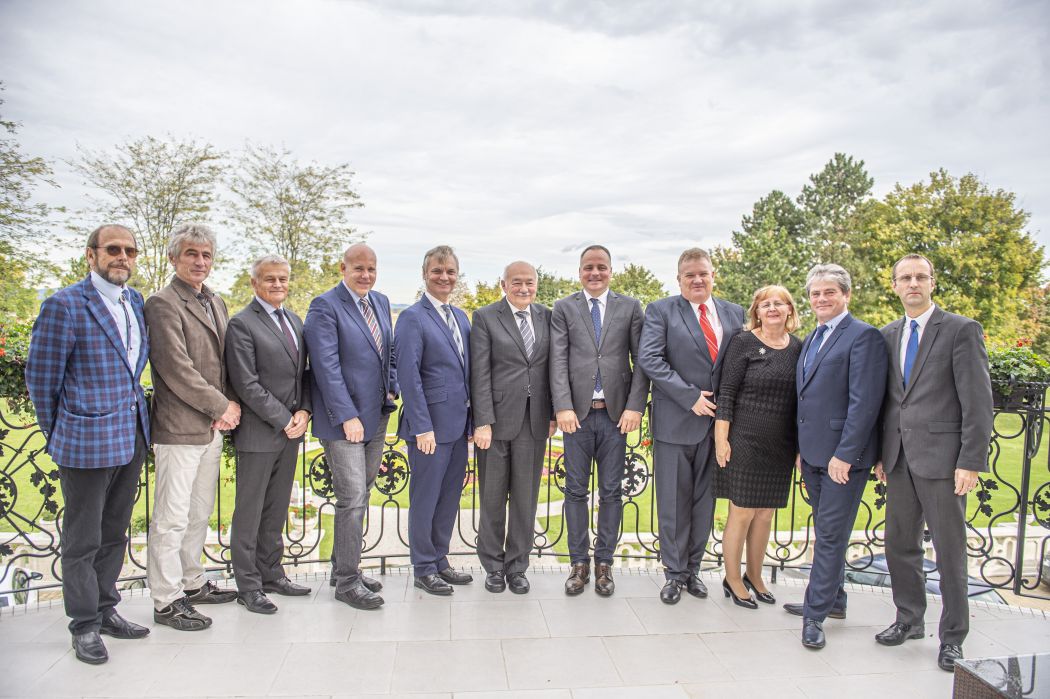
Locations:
(115, 250)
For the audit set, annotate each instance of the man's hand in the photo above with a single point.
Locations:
(722, 452)
(296, 427)
(880, 473)
(798, 462)
(965, 481)
(221, 425)
(630, 420)
(483, 436)
(354, 430)
(703, 406)
(552, 430)
(838, 470)
(567, 421)
(426, 443)
(232, 416)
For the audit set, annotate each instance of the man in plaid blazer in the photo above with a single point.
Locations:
(88, 349)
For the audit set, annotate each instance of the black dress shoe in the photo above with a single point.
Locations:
(748, 603)
(118, 627)
(946, 657)
(518, 583)
(812, 634)
(453, 578)
(696, 587)
(256, 601)
(286, 587)
(763, 597)
(494, 581)
(671, 592)
(796, 609)
(899, 632)
(89, 648)
(210, 594)
(433, 584)
(371, 583)
(360, 597)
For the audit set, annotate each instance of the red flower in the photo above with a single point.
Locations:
(646, 442)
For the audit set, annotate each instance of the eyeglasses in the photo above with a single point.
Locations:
(767, 305)
(907, 278)
(115, 250)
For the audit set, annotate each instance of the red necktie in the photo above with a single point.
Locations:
(709, 333)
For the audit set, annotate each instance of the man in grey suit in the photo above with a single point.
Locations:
(936, 423)
(599, 396)
(511, 398)
(265, 359)
(681, 353)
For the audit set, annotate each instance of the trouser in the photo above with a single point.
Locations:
(684, 505)
(184, 497)
(95, 519)
(509, 479)
(434, 488)
(597, 439)
(835, 508)
(354, 467)
(909, 500)
(264, 489)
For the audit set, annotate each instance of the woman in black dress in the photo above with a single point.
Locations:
(755, 438)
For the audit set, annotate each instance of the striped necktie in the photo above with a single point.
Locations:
(373, 326)
(526, 332)
(453, 326)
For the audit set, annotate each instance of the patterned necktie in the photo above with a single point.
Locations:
(454, 327)
(373, 326)
(814, 347)
(526, 332)
(596, 320)
(709, 333)
(205, 301)
(127, 320)
(288, 338)
(911, 351)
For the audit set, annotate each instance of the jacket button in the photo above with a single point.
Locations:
(802, 419)
(904, 405)
(599, 356)
(134, 407)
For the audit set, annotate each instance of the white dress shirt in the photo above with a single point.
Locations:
(922, 320)
(270, 312)
(111, 296)
(602, 301)
(528, 318)
(712, 317)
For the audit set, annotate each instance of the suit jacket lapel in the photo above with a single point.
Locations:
(583, 305)
(97, 306)
(510, 324)
(612, 307)
(539, 330)
(929, 336)
(439, 317)
(263, 317)
(354, 311)
(692, 322)
(728, 329)
(897, 332)
(828, 344)
(140, 318)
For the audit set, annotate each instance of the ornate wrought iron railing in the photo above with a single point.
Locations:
(1009, 520)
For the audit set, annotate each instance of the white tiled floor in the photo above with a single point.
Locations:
(543, 645)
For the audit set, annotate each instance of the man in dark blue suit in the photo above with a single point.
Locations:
(841, 378)
(88, 349)
(349, 340)
(432, 345)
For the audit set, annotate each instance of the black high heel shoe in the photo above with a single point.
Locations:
(748, 603)
(764, 597)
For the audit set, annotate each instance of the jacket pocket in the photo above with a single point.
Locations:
(434, 383)
(836, 423)
(435, 396)
(497, 396)
(945, 427)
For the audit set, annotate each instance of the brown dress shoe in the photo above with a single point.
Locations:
(603, 582)
(580, 576)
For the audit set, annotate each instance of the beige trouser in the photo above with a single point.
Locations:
(187, 477)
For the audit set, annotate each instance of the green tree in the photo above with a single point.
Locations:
(832, 204)
(550, 287)
(305, 283)
(638, 282)
(482, 295)
(152, 186)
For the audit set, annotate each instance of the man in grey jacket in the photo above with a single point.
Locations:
(936, 423)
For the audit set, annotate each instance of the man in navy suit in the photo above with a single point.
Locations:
(683, 339)
(841, 378)
(88, 349)
(349, 339)
(432, 345)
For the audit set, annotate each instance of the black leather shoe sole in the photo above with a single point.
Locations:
(443, 591)
(257, 608)
(368, 603)
(697, 590)
(121, 631)
(297, 591)
(456, 578)
(899, 638)
(796, 609)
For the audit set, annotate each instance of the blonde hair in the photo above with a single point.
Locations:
(753, 321)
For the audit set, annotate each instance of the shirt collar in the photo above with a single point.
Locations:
(834, 322)
(266, 307)
(176, 281)
(709, 304)
(354, 295)
(921, 319)
(514, 309)
(110, 291)
(437, 304)
(602, 298)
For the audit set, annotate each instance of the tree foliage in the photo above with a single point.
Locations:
(638, 282)
(304, 284)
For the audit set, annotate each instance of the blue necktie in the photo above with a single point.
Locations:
(911, 351)
(811, 354)
(596, 320)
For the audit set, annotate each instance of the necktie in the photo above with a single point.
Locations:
(911, 351)
(373, 326)
(454, 327)
(811, 353)
(596, 321)
(127, 320)
(288, 338)
(526, 332)
(709, 333)
(205, 301)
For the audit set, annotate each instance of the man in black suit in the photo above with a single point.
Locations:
(266, 359)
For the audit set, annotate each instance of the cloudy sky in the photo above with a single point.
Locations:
(513, 129)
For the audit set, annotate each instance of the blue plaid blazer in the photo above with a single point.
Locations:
(87, 396)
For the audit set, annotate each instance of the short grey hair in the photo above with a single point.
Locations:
(268, 260)
(833, 273)
(441, 252)
(189, 233)
(519, 262)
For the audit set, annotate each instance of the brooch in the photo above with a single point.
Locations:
(761, 350)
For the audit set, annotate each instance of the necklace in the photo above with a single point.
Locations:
(778, 344)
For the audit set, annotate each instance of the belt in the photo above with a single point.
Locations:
(598, 405)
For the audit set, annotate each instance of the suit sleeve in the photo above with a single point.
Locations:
(228, 389)
(171, 361)
(639, 393)
(867, 387)
(242, 365)
(974, 388)
(408, 341)
(653, 360)
(481, 372)
(392, 377)
(51, 343)
(321, 333)
(561, 392)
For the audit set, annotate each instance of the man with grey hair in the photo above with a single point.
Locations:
(192, 403)
(841, 379)
(266, 359)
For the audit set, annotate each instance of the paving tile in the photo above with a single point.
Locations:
(310, 623)
(590, 616)
(45, 626)
(220, 669)
(781, 689)
(404, 621)
(664, 659)
(633, 692)
(449, 666)
(558, 663)
(21, 664)
(688, 616)
(1022, 635)
(327, 668)
(900, 685)
(130, 672)
(751, 655)
(516, 694)
(496, 620)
